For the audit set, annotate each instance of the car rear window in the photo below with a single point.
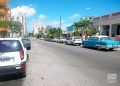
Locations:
(10, 45)
(105, 38)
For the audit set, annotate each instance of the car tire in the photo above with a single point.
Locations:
(98, 47)
(83, 45)
(80, 44)
(22, 75)
(66, 43)
(27, 57)
(111, 49)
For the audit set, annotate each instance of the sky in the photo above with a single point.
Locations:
(48, 12)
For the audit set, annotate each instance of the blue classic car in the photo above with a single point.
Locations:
(100, 42)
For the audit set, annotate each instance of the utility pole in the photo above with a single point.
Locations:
(60, 22)
(60, 26)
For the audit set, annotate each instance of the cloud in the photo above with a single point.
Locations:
(42, 17)
(23, 10)
(88, 8)
(75, 16)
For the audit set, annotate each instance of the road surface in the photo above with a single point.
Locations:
(54, 64)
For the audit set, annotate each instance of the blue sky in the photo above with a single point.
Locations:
(49, 11)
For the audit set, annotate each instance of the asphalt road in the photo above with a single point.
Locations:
(53, 64)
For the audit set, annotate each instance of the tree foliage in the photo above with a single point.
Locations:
(54, 32)
(14, 26)
(85, 27)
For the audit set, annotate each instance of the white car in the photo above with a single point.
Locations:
(74, 41)
(13, 57)
(55, 39)
(61, 40)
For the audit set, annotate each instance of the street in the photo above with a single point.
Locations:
(55, 64)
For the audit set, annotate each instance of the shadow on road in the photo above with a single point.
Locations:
(103, 50)
(13, 80)
(10, 78)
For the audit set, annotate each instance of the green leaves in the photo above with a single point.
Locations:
(16, 26)
(54, 32)
(85, 27)
(4, 24)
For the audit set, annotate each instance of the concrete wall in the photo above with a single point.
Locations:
(107, 21)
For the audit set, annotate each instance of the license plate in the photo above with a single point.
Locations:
(6, 59)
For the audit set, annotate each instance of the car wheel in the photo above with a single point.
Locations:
(27, 57)
(22, 75)
(98, 47)
(72, 43)
(66, 43)
(83, 45)
(80, 44)
(111, 49)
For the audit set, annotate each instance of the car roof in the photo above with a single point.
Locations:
(10, 38)
(99, 36)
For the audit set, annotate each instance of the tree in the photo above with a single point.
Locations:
(83, 26)
(54, 32)
(14, 26)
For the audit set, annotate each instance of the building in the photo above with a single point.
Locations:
(108, 24)
(4, 15)
(22, 20)
(39, 28)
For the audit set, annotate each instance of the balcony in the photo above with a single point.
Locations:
(4, 29)
(7, 14)
(2, 19)
(2, 2)
(2, 11)
(6, 7)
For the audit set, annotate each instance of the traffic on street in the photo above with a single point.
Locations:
(55, 64)
(59, 43)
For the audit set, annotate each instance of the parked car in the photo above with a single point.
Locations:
(13, 57)
(55, 39)
(74, 41)
(61, 40)
(48, 39)
(41, 38)
(101, 42)
(26, 42)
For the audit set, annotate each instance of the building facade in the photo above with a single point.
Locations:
(108, 24)
(39, 28)
(4, 15)
(22, 20)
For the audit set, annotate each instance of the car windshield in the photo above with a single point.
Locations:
(105, 38)
(10, 46)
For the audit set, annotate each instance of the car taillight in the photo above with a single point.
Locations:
(22, 67)
(21, 54)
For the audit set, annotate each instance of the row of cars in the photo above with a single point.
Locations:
(13, 57)
(98, 41)
(70, 40)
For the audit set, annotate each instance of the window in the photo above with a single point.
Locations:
(93, 38)
(10, 45)
(105, 38)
